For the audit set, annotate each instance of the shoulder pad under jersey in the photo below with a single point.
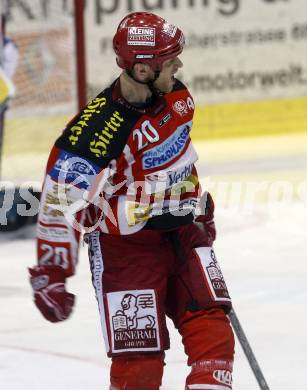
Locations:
(99, 131)
(178, 86)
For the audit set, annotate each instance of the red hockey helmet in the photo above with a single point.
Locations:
(147, 38)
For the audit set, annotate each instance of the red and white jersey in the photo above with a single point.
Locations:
(118, 168)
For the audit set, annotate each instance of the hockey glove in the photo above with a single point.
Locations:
(50, 295)
(205, 221)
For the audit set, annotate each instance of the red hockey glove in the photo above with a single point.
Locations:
(206, 220)
(50, 295)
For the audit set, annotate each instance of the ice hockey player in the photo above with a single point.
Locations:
(123, 171)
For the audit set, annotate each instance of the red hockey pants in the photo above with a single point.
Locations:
(141, 278)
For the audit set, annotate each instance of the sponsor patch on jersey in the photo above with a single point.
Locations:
(175, 177)
(141, 36)
(184, 207)
(181, 107)
(138, 212)
(54, 233)
(133, 321)
(213, 274)
(53, 197)
(165, 119)
(100, 143)
(168, 150)
(170, 178)
(93, 108)
(72, 169)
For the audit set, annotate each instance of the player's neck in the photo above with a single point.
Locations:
(133, 91)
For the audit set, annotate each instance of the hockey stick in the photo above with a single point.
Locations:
(238, 328)
(248, 350)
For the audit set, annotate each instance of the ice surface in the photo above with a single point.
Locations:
(263, 254)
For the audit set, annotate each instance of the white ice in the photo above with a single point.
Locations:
(263, 254)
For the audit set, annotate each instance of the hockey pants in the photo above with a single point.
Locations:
(141, 278)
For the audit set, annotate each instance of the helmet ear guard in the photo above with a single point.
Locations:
(147, 38)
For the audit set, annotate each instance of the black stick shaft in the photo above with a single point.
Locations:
(248, 351)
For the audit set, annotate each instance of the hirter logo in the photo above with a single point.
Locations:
(133, 321)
